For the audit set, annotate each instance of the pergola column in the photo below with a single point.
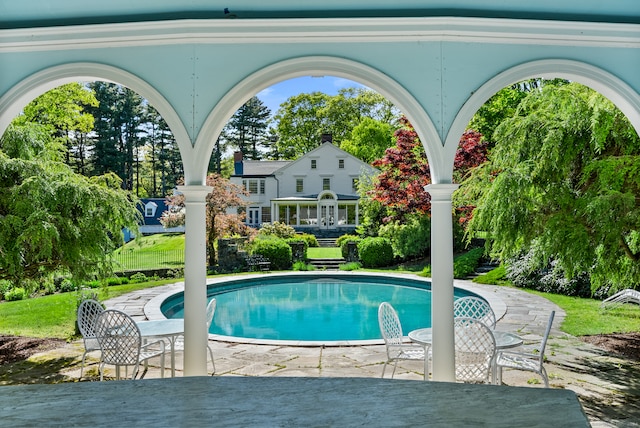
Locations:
(443, 351)
(195, 280)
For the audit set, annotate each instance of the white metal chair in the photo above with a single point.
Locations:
(475, 307)
(533, 362)
(211, 310)
(391, 331)
(624, 296)
(121, 344)
(475, 349)
(88, 313)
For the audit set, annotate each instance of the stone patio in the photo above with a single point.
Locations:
(607, 386)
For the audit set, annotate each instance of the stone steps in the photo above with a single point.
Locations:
(326, 242)
(327, 264)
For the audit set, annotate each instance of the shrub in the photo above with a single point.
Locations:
(302, 266)
(465, 264)
(138, 277)
(350, 266)
(276, 250)
(277, 229)
(344, 244)
(496, 276)
(308, 238)
(375, 252)
(345, 238)
(67, 285)
(17, 293)
(524, 272)
(4, 287)
(410, 239)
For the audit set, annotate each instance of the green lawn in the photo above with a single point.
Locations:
(151, 252)
(324, 253)
(54, 316)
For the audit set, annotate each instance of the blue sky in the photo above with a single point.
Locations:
(275, 95)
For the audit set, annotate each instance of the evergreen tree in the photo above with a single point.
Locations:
(247, 128)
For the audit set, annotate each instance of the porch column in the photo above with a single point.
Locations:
(442, 282)
(195, 280)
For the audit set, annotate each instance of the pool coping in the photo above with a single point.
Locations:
(152, 307)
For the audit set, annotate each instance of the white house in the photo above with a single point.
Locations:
(316, 193)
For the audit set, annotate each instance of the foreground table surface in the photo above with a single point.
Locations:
(269, 401)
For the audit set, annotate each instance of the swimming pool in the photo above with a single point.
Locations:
(320, 308)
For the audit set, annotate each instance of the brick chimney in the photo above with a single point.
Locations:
(238, 168)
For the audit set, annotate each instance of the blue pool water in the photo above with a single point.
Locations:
(316, 308)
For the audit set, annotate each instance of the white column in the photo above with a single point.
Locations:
(443, 363)
(195, 280)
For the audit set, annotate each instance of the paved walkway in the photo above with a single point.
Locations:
(608, 387)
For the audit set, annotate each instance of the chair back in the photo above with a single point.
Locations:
(390, 326)
(211, 310)
(119, 338)
(88, 313)
(475, 307)
(475, 347)
(543, 344)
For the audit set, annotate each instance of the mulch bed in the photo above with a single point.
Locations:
(14, 348)
(627, 344)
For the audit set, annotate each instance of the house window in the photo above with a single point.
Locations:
(314, 163)
(266, 214)
(149, 212)
(252, 186)
(326, 184)
(341, 163)
(354, 185)
(299, 185)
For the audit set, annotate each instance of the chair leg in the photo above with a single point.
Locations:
(384, 368)
(213, 363)
(82, 363)
(545, 377)
(395, 366)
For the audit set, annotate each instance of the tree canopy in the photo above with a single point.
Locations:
(223, 196)
(303, 118)
(564, 181)
(52, 219)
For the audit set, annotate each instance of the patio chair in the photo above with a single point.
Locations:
(533, 362)
(88, 313)
(391, 331)
(625, 296)
(211, 310)
(475, 307)
(475, 349)
(121, 344)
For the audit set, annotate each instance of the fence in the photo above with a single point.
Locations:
(144, 260)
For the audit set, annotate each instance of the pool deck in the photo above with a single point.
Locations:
(606, 385)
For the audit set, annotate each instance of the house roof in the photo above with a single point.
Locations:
(253, 168)
(328, 146)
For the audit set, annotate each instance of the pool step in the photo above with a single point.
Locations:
(327, 264)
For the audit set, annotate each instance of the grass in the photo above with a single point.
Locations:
(150, 252)
(54, 316)
(324, 253)
(584, 316)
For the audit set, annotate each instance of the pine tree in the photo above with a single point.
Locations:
(247, 128)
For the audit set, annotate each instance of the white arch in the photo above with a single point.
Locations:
(314, 66)
(621, 94)
(12, 103)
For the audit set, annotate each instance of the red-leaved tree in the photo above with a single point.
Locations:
(224, 195)
(405, 171)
